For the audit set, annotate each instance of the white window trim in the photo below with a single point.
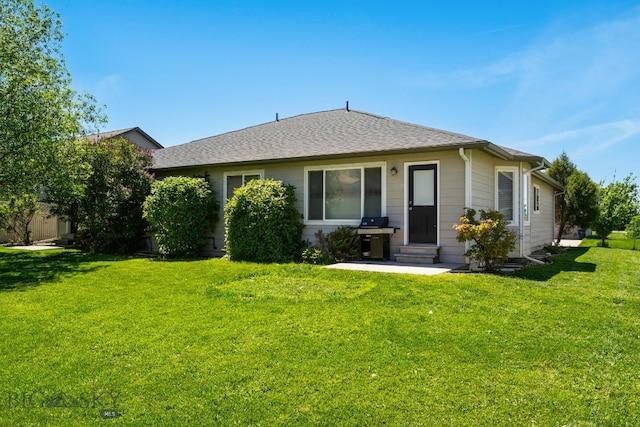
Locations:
(535, 208)
(354, 222)
(516, 191)
(259, 172)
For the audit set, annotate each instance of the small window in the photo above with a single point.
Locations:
(507, 193)
(235, 180)
(536, 199)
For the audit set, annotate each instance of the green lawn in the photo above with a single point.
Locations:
(616, 240)
(211, 342)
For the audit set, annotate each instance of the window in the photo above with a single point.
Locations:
(343, 193)
(233, 180)
(507, 193)
(536, 199)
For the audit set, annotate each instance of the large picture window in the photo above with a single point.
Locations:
(507, 193)
(343, 193)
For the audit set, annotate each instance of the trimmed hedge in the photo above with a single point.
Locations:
(262, 223)
(180, 210)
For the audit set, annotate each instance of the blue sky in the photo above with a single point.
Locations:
(542, 77)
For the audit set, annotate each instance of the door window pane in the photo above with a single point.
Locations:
(423, 188)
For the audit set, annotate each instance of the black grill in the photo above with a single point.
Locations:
(375, 234)
(374, 222)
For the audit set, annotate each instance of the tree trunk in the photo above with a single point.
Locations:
(562, 214)
(561, 227)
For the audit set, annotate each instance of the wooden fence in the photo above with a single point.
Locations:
(43, 226)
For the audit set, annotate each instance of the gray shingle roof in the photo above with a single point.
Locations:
(333, 133)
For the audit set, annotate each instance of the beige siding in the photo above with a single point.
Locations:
(483, 178)
(541, 232)
(140, 140)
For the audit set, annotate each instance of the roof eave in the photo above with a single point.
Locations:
(546, 178)
(467, 145)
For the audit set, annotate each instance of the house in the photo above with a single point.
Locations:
(134, 135)
(348, 164)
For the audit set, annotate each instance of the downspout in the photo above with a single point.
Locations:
(467, 178)
(525, 256)
(467, 186)
(521, 225)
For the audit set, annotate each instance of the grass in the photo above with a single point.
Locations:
(211, 342)
(616, 240)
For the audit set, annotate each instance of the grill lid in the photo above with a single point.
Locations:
(374, 222)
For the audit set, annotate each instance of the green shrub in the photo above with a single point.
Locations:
(492, 240)
(316, 256)
(180, 210)
(262, 223)
(344, 243)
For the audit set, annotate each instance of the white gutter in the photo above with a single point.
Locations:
(537, 168)
(467, 186)
(467, 178)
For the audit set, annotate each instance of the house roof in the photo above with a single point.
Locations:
(124, 133)
(326, 134)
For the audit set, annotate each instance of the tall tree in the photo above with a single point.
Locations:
(561, 169)
(619, 202)
(104, 193)
(582, 200)
(39, 111)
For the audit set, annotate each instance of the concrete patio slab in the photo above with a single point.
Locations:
(395, 267)
(42, 247)
(567, 243)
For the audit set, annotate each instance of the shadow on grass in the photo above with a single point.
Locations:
(22, 270)
(564, 262)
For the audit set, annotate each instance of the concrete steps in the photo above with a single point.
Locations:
(65, 241)
(419, 254)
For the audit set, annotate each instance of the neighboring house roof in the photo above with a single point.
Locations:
(134, 135)
(327, 134)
